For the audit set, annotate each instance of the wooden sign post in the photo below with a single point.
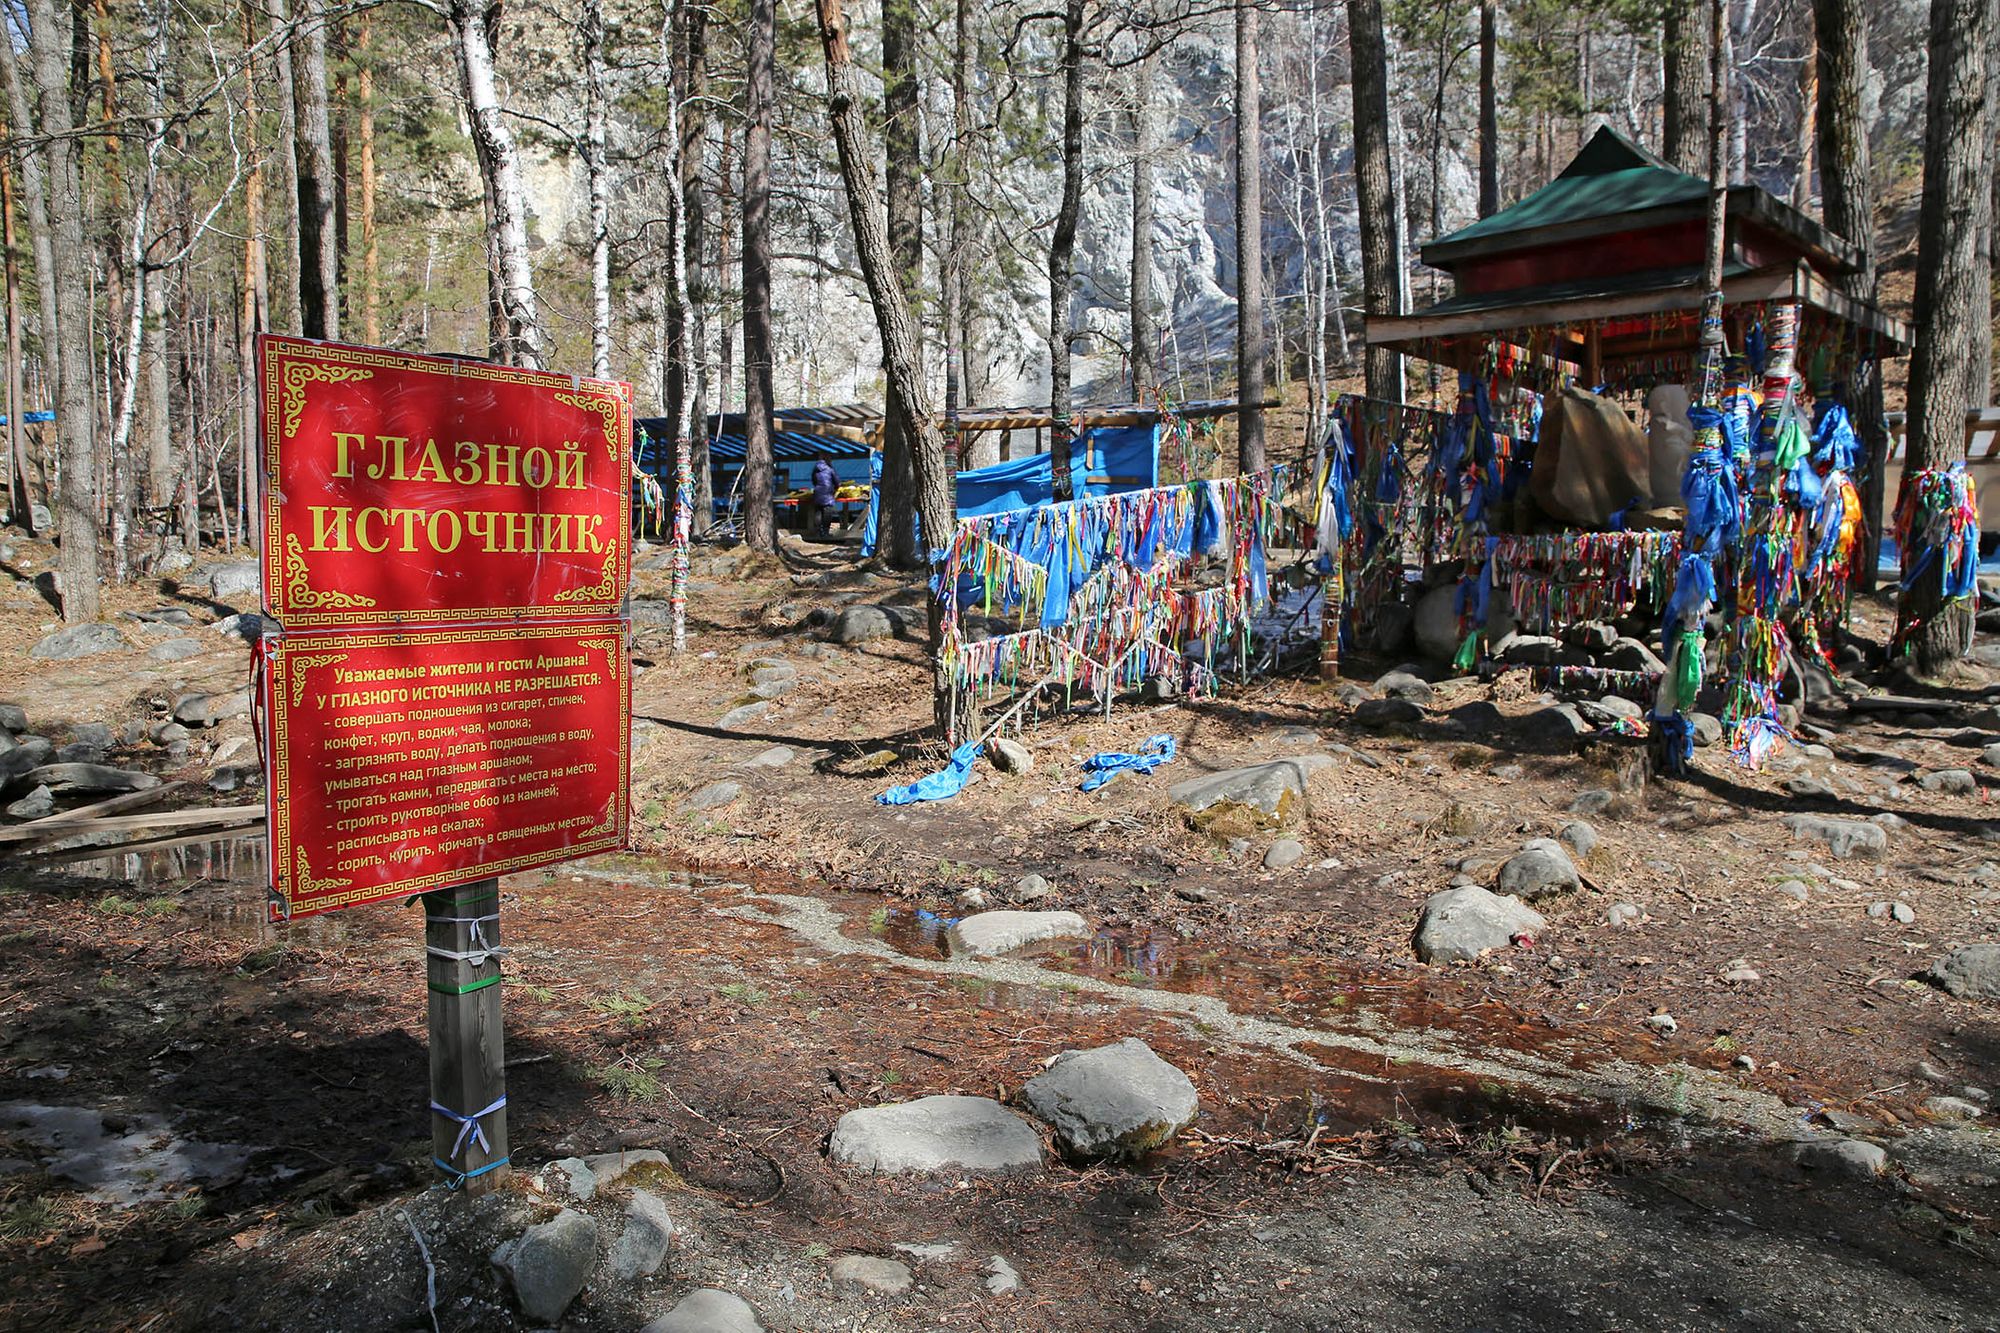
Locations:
(446, 698)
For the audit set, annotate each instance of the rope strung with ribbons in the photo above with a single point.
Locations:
(468, 1128)
(482, 952)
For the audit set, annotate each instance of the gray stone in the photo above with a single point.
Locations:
(176, 650)
(1950, 781)
(13, 718)
(776, 757)
(167, 733)
(1031, 888)
(1117, 1101)
(1632, 655)
(1809, 789)
(97, 734)
(74, 641)
(1795, 889)
(642, 1245)
(859, 624)
(63, 778)
(23, 758)
(707, 1311)
(240, 580)
(737, 717)
(772, 689)
(1382, 714)
(246, 625)
(1593, 802)
(1971, 972)
(1578, 836)
(1001, 1279)
(771, 671)
(1010, 756)
(1594, 636)
(1460, 924)
(1400, 684)
(549, 1263)
(576, 1175)
(205, 710)
(1531, 650)
(1624, 914)
(1852, 1159)
(1301, 736)
(1541, 869)
(1843, 837)
(1436, 624)
(1267, 795)
(1611, 708)
(80, 752)
(1990, 756)
(990, 934)
(234, 777)
(868, 1272)
(950, 1133)
(607, 1168)
(1953, 1108)
(41, 801)
(1557, 722)
(1707, 729)
(714, 796)
(1283, 854)
(1479, 717)
(178, 617)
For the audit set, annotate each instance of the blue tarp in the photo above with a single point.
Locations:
(1104, 460)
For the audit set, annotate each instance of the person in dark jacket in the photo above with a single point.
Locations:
(825, 483)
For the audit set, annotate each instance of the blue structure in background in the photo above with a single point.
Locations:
(1104, 460)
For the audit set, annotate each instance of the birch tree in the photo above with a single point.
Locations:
(521, 341)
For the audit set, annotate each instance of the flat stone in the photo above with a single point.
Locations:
(773, 689)
(1382, 714)
(1971, 972)
(990, 934)
(74, 641)
(1240, 800)
(1950, 782)
(771, 671)
(1460, 924)
(1593, 802)
(1843, 837)
(948, 1133)
(1541, 869)
(1010, 756)
(776, 757)
(867, 1272)
(1001, 1279)
(714, 796)
(234, 581)
(1117, 1101)
(63, 778)
(1809, 789)
(205, 710)
(707, 1311)
(1852, 1159)
(1283, 854)
(1406, 685)
(607, 1168)
(41, 801)
(737, 717)
(859, 624)
(176, 650)
(642, 1245)
(1953, 1108)
(1796, 889)
(549, 1263)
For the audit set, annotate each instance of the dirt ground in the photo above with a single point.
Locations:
(1382, 1143)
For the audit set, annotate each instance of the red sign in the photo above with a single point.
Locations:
(403, 761)
(402, 489)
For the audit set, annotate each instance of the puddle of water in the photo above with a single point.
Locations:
(121, 1161)
(234, 860)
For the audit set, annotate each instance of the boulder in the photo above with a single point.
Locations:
(1557, 722)
(1541, 869)
(1436, 624)
(1010, 756)
(1405, 684)
(1460, 924)
(1031, 888)
(1593, 636)
(1384, 714)
(37, 803)
(1971, 972)
(1283, 854)
(238, 581)
(642, 1245)
(707, 1311)
(1241, 800)
(990, 934)
(64, 778)
(1950, 781)
(1578, 836)
(868, 1272)
(859, 624)
(1116, 1101)
(1852, 1159)
(548, 1264)
(1843, 837)
(31, 753)
(950, 1133)
(1707, 729)
(13, 718)
(1531, 650)
(205, 710)
(1632, 655)
(74, 641)
(247, 626)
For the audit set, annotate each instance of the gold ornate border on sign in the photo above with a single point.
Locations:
(303, 881)
(300, 665)
(602, 590)
(298, 588)
(607, 835)
(298, 374)
(605, 407)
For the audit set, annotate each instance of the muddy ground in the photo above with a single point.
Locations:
(1382, 1143)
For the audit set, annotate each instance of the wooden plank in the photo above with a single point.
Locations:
(32, 834)
(468, 1059)
(35, 860)
(125, 801)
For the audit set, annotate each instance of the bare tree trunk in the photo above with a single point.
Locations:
(1251, 344)
(1381, 273)
(1140, 295)
(499, 167)
(957, 357)
(1489, 108)
(312, 147)
(892, 316)
(903, 175)
(289, 298)
(255, 316)
(600, 188)
(371, 249)
(1062, 254)
(1743, 18)
(759, 522)
(1982, 259)
(34, 190)
(1683, 112)
(1952, 303)
(699, 292)
(76, 414)
(23, 498)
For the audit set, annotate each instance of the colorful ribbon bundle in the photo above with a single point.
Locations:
(1566, 578)
(1937, 529)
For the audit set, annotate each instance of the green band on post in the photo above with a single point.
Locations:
(465, 990)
